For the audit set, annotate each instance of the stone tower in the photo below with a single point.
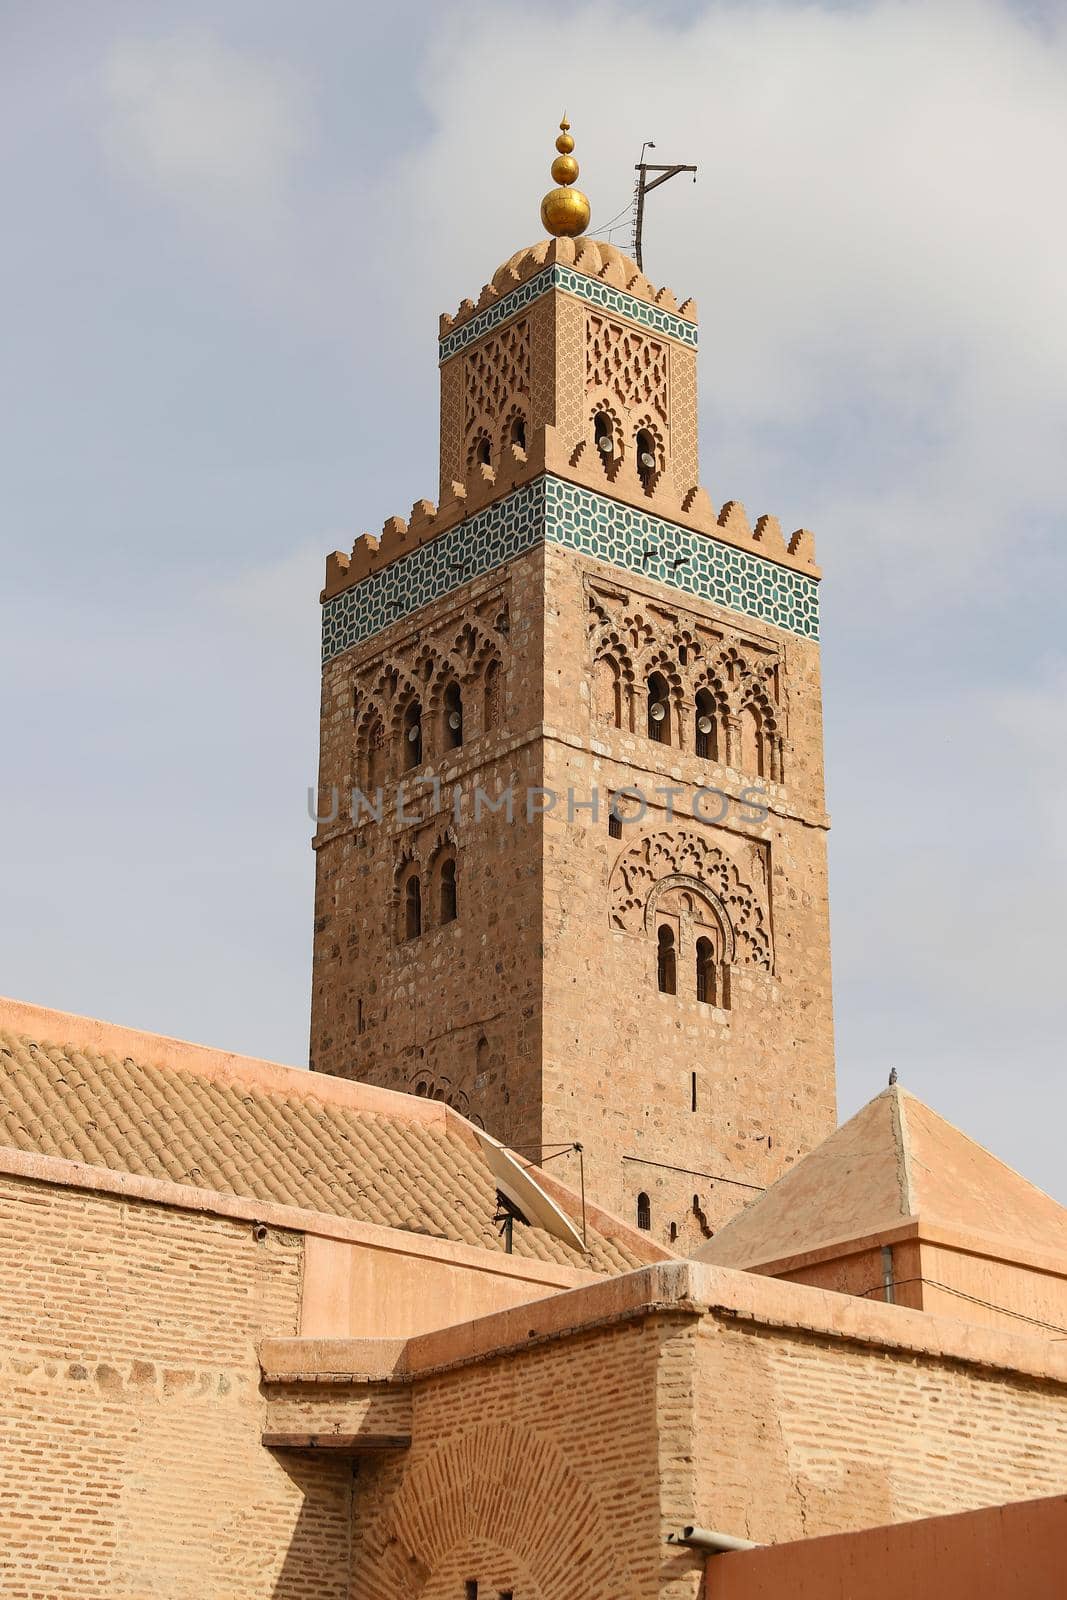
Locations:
(599, 914)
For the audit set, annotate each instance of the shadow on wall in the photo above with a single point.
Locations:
(317, 1558)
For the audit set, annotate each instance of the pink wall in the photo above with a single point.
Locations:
(1017, 1551)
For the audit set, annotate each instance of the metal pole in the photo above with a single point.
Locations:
(581, 1175)
(640, 222)
(643, 168)
(707, 1539)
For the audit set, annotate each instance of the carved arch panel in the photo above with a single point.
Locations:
(683, 859)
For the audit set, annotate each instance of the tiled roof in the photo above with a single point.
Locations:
(894, 1160)
(224, 1131)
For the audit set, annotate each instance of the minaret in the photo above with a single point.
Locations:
(598, 913)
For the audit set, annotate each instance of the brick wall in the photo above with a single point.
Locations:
(537, 1473)
(130, 1413)
(800, 1435)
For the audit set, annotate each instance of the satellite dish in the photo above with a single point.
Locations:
(657, 711)
(704, 724)
(454, 720)
(413, 733)
(606, 444)
(647, 459)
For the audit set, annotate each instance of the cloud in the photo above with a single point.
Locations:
(203, 123)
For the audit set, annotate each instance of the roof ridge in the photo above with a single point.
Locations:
(902, 1134)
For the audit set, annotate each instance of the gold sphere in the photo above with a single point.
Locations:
(565, 212)
(564, 169)
(564, 144)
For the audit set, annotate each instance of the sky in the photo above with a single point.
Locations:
(230, 229)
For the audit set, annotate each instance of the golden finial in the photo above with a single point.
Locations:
(565, 210)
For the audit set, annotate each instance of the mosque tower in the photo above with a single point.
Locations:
(598, 914)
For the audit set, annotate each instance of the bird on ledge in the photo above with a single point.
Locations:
(565, 211)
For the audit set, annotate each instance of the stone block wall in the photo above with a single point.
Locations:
(131, 1465)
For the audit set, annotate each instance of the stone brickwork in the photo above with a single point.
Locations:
(554, 1448)
(534, 1475)
(531, 998)
(130, 1413)
(847, 1437)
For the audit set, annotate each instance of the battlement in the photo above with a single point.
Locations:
(485, 484)
(591, 257)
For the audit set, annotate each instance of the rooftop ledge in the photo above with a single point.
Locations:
(680, 1288)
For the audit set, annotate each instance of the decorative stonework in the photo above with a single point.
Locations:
(626, 364)
(497, 372)
(682, 859)
(577, 283)
(551, 510)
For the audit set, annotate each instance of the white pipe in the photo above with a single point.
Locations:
(707, 1539)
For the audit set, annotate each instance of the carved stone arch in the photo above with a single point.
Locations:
(425, 663)
(759, 748)
(371, 748)
(701, 892)
(732, 667)
(685, 639)
(611, 642)
(516, 412)
(381, 685)
(600, 403)
(481, 434)
(645, 422)
(684, 853)
(408, 690)
(708, 678)
(754, 694)
(641, 631)
(492, 688)
(487, 650)
(662, 662)
(370, 711)
(598, 615)
(448, 1512)
(449, 670)
(467, 642)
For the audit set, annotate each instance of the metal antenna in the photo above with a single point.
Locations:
(643, 187)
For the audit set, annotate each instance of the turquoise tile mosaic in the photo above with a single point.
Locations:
(551, 510)
(579, 283)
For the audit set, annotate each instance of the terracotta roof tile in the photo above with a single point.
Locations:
(297, 1149)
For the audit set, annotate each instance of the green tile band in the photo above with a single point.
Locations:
(581, 284)
(551, 510)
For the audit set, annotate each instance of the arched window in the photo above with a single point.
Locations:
(453, 717)
(666, 961)
(707, 973)
(374, 757)
(412, 733)
(448, 905)
(483, 452)
(493, 696)
(707, 726)
(646, 459)
(413, 907)
(607, 692)
(644, 1212)
(751, 741)
(604, 437)
(518, 432)
(659, 709)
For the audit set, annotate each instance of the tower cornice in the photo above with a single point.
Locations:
(551, 510)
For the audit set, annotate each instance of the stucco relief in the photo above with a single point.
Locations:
(681, 861)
